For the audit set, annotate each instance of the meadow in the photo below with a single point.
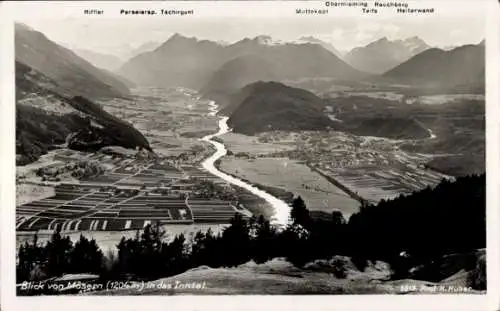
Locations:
(290, 175)
(238, 143)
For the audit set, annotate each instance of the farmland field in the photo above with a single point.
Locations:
(27, 193)
(376, 183)
(317, 192)
(446, 98)
(238, 143)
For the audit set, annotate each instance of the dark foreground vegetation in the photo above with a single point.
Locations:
(410, 231)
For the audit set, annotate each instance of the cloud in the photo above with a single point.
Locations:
(369, 27)
(391, 30)
(363, 36)
(336, 37)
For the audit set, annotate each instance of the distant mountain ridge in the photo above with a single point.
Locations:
(276, 62)
(326, 45)
(193, 63)
(462, 67)
(63, 66)
(381, 55)
(100, 60)
(180, 61)
(236, 74)
(145, 47)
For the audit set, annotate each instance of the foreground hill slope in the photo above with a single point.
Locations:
(64, 67)
(279, 277)
(274, 277)
(462, 67)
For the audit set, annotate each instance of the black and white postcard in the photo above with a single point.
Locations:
(250, 155)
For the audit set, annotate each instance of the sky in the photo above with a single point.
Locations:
(117, 36)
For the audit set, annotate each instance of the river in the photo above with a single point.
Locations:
(281, 208)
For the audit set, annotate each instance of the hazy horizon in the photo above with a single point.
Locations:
(101, 35)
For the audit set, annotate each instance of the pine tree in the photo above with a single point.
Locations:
(177, 255)
(300, 213)
(58, 251)
(294, 245)
(148, 261)
(24, 264)
(264, 243)
(86, 257)
(198, 247)
(236, 242)
(338, 219)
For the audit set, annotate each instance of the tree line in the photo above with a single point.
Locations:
(407, 231)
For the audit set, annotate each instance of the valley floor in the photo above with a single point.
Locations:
(330, 170)
(297, 178)
(358, 168)
(95, 194)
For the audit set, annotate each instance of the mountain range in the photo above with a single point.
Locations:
(462, 67)
(383, 54)
(207, 65)
(220, 70)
